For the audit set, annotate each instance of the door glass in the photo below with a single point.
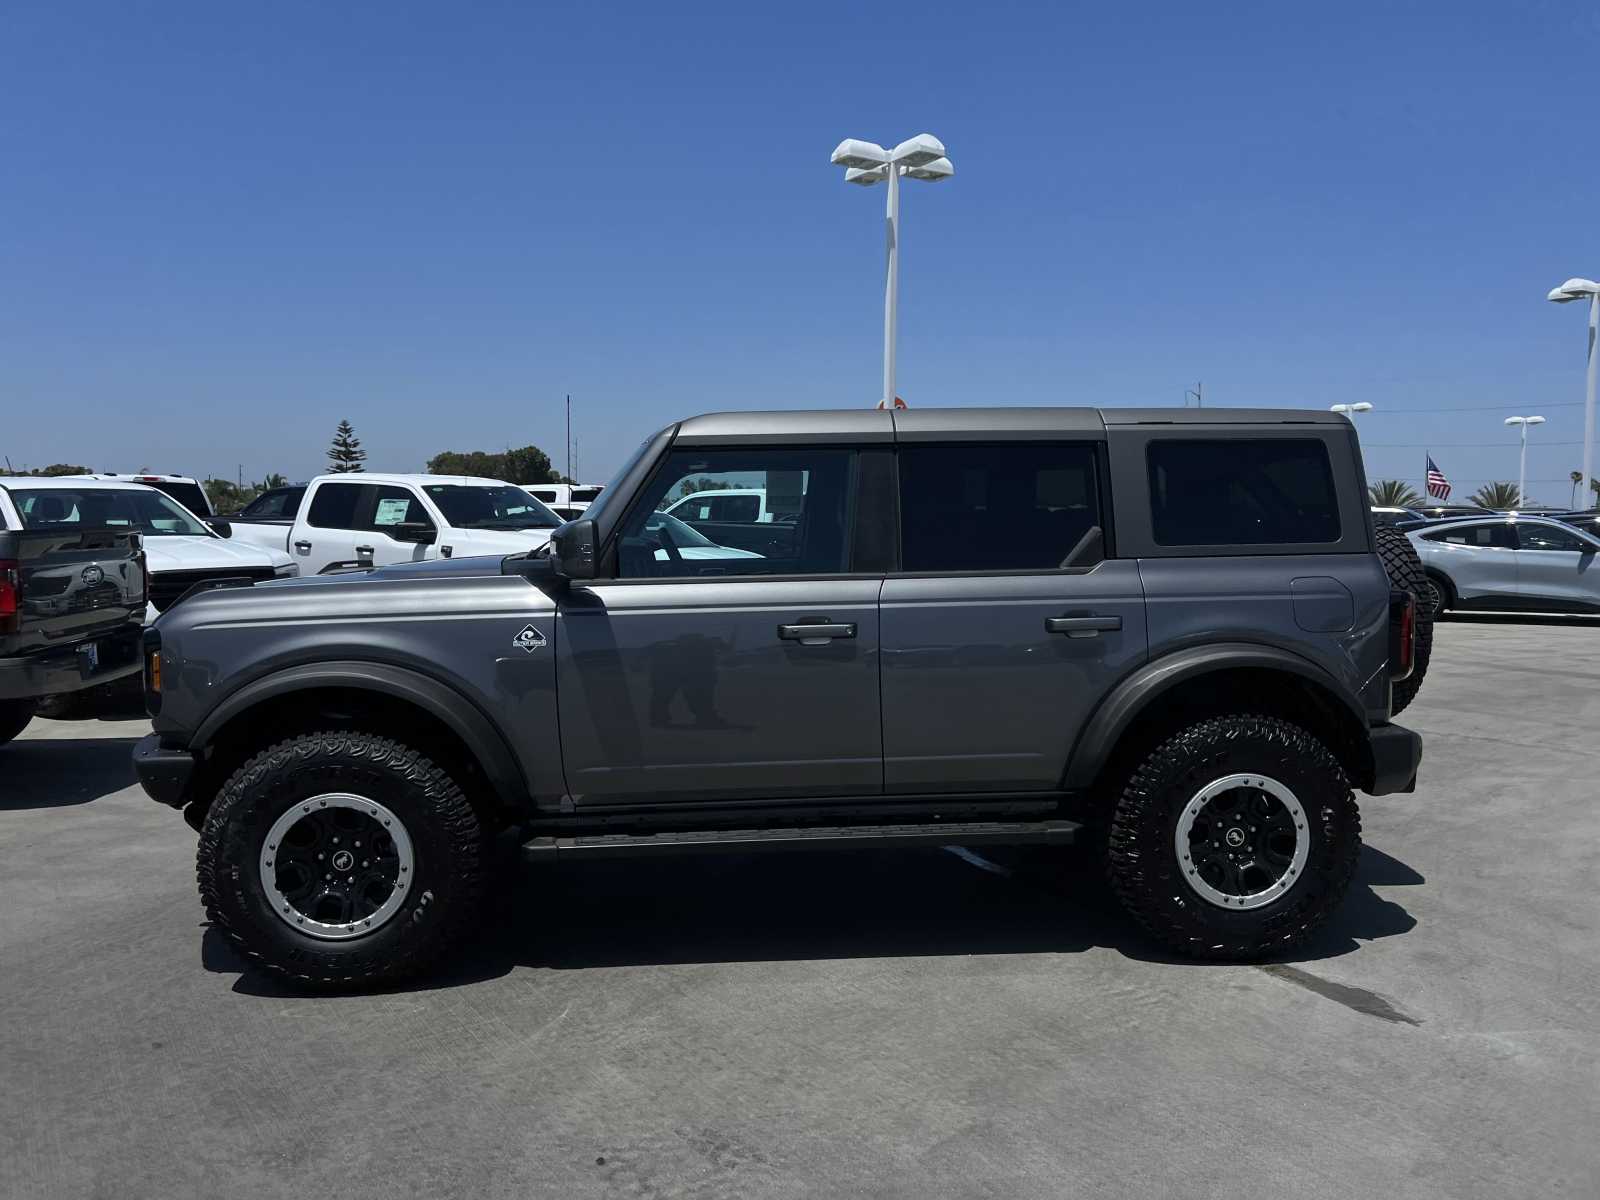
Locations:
(997, 508)
(1547, 537)
(334, 506)
(741, 512)
(397, 506)
(1497, 536)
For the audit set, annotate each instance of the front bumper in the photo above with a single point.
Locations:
(1396, 754)
(67, 670)
(164, 774)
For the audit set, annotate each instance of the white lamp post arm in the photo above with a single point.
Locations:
(1588, 406)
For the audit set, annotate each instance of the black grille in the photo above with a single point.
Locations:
(167, 586)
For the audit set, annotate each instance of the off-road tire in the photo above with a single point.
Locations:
(1404, 568)
(449, 849)
(14, 718)
(1144, 867)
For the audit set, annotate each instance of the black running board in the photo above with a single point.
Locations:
(833, 837)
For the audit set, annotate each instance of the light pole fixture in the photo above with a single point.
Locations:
(1350, 410)
(1522, 468)
(1580, 289)
(866, 163)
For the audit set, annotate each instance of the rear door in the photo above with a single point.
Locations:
(329, 526)
(1480, 560)
(1556, 565)
(1007, 621)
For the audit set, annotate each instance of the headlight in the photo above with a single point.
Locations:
(287, 571)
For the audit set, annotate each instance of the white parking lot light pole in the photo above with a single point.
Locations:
(1522, 423)
(867, 163)
(1350, 410)
(1579, 289)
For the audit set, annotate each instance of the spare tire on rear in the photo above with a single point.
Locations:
(1405, 572)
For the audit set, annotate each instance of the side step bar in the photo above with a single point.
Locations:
(836, 837)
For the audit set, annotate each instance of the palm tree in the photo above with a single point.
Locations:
(1501, 495)
(1393, 493)
(1577, 478)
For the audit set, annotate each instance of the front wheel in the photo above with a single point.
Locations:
(1235, 838)
(341, 859)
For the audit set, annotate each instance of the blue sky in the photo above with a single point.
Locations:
(223, 227)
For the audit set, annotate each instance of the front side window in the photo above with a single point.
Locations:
(1242, 492)
(1495, 536)
(144, 509)
(998, 508)
(1548, 537)
(397, 506)
(695, 519)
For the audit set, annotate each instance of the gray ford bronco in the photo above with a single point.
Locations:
(1169, 634)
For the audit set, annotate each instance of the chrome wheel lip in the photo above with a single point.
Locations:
(286, 912)
(1279, 886)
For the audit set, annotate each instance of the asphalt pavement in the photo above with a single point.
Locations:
(907, 1024)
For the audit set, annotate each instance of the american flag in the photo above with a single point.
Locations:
(1438, 486)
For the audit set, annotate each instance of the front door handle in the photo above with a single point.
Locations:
(303, 547)
(1082, 627)
(819, 634)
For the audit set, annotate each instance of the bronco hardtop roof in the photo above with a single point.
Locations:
(927, 424)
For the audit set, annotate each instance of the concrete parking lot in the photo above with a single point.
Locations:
(906, 1024)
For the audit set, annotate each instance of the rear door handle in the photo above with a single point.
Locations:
(816, 635)
(1082, 627)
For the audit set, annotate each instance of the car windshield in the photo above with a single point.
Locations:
(145, 509)
(490, 506)
(681, 534)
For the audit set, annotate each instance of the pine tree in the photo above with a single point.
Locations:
(346, 453)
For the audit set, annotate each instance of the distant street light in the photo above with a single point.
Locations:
(1350, 410)
(867, 163)
(1578, 289)
(1522, 469)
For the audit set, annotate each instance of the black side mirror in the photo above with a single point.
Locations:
(220, 526)
(572, 547)
(418, 533)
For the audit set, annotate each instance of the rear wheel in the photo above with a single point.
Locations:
(1404, 568)
(1235, 838)
(341, 859)
(14, 718)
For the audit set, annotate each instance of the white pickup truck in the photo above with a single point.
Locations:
(357, 520)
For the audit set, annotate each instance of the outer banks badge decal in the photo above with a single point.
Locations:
(530, 639)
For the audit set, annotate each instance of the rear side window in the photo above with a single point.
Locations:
(997, 508)
(187, 494)
(278, 503)
(334, 506)
(1242, 492)
(1498, 536)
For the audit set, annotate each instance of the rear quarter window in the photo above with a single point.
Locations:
(1242, 492)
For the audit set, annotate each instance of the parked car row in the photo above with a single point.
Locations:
(1510, 562)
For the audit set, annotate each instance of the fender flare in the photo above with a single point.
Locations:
(463, 718)
(1137, 691)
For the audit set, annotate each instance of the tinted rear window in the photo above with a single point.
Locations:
(1242, 492)
(996, 508)
(187, 494)
(333, 506)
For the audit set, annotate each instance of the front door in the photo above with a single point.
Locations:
(1007, 624)
(1556, 566)
(704, 671)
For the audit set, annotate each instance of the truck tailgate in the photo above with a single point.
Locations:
(71, 585)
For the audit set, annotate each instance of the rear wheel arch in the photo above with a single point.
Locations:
(377, 698)
(1187, 686)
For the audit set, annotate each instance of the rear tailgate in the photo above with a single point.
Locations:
(72, 585)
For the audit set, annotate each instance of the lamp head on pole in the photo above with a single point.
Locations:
(1524, 420)
(1359, 406)
(866, 163)
(1574, 289)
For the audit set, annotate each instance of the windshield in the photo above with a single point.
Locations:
(150, 512)
(682, 534)
(478, 506)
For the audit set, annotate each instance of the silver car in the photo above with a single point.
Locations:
(1510, 562)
